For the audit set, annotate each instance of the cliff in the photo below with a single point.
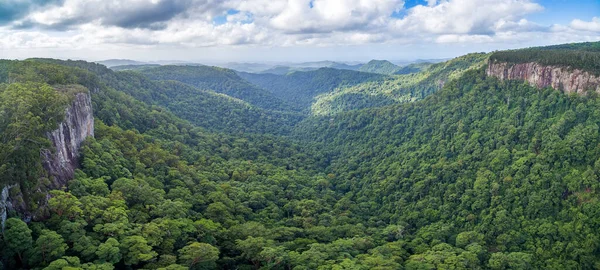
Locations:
(66, 140)
(60, 162)
(562, 78)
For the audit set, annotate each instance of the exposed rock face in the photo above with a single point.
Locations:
(5, 204)
(60, 163)
(561, 78)
(66, 140)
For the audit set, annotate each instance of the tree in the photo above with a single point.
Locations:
(198, 254)
(109, 251)
(513, 260)
(48, 247)
(135, 249)
(465, 238)
(64, 204)
(64, 263)
(17, 237)
(252, 247)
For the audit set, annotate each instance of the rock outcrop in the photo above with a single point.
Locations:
(66, 140)
(60, 162)
(562, 78)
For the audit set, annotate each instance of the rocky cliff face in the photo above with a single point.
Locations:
(60, 162)
(66, 140)
(561, 78)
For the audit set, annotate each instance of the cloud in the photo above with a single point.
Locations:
(175, 24)
(459, 17)
(11, 10)
(152, 14)
(522, 25)
(593, 25)
(452, 38)
(322, 16)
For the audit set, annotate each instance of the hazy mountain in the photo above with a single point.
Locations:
(379, 66)
(120, 62)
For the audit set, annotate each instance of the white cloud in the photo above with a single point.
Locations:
(302, 16)
(522, 25)
(593, 25)
(465, 16)
(452, 38)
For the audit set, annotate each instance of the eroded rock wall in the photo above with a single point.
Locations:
(66, 140)
(561, 78)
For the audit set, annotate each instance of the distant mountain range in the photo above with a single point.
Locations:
(374, 66)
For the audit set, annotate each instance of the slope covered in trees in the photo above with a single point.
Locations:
(302, 87)
(220, 80)
(204, 108)
(396, 89)
(207, 109)
(483, 173)
(413, 68)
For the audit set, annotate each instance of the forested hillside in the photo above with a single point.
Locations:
(301, 88)
(196, 168)
(204, 108)
(220, 80)
(481, 174)
(413, 68)
(396, 89)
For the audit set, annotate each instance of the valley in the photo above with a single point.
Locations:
(484, 161)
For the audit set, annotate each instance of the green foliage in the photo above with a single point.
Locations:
(27, 111)
(109, 251)
(396, 89)
(135, 249)
(413, 68)
(64, 263)
(220, 80)
(64, 204)
(206, 108)
(301, 88)
(198, 254)
(49, 246)
(17, 238)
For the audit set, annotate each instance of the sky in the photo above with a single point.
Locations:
(213, 31)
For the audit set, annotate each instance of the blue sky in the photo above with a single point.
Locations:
(287, 30)
(564, 11)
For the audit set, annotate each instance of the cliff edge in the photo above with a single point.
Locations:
(565, 79)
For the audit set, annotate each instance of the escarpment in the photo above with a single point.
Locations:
(566, 79)
(66, 140)
(59, 162)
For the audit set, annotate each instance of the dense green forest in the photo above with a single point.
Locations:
(466, 172)
(220, 80)
(395, 89)
(413, 68)
(301, 88)
(329, 91)
(204, 108)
